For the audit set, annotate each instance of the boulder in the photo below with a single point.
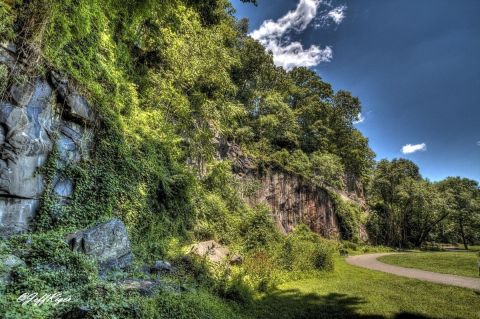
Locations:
(7, 57)
(236, 260)
(7, 264)
(161, 266)
(213, 252)
(22, 93)
(78, 108)
(107, 243)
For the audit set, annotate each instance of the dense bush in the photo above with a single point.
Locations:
(350, 216)
(258, 229)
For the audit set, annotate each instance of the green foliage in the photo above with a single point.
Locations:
(300, 254)
(304, 250)
(52, 265)
(7, 17)
(195, 305)
(407, 210)
(327, 169)
(260, 270)
(349, 217)
(3, 78)
(462, 198)
(166, 78)
(258, 229)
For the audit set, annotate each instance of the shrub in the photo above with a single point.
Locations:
(235, 289)
(259, 229)
(322, 257)
(6, 21)
(299, 253)
(194, 305)
(260, 270)
(349, 217)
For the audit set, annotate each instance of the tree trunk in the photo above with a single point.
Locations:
(462, 232)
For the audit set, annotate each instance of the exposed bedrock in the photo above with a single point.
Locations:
(37, 115)
(293, 201)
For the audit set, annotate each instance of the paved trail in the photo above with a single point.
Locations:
(370, 261)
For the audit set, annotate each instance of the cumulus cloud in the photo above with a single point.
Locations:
(360, 119)
(337, 14)
(409, 148)
(274, 36)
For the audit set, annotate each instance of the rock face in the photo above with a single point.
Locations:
(107, 243)
(290, 198)
(293, 201)
(36, 116)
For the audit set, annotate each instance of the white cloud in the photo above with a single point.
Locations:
(478, 143)
(338, 14)
(360, 119)
(274, 36)
(409, 148)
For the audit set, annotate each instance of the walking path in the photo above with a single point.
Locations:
(370, 261)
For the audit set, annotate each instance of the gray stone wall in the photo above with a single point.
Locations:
(37, 115)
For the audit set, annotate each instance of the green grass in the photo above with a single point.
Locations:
(352, 292)
(462, 263)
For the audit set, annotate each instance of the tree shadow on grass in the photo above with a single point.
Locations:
(283, 304)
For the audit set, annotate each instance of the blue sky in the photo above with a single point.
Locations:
(415, 65)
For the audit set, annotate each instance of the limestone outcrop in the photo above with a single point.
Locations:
(37, 115)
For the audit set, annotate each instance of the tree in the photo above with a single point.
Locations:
(327, 169)
(388, 193)
(463, 198)
(422, 209)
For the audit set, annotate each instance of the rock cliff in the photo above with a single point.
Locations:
(292, 201)
(291, 198)
(37, 116)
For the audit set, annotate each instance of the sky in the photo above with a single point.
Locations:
(415, 65)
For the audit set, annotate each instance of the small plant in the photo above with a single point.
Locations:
(3, 79)
(322, 257)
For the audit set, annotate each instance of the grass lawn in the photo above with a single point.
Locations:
(462, 263)
(352, 292)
